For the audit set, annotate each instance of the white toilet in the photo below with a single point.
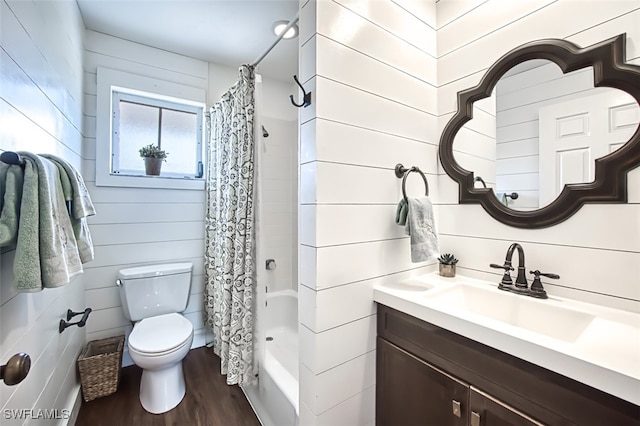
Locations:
(152, 296)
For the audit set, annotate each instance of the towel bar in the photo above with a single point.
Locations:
(11, 157)
(402, 172)
(70, 314)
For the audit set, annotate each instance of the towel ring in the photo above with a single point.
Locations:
(403, 172)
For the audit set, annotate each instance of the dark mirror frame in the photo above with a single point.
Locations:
(610, 185)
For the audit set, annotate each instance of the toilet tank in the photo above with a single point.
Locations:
(152, 290)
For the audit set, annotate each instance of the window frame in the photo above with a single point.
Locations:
(155, 91)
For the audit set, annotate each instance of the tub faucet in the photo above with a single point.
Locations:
(521, 280)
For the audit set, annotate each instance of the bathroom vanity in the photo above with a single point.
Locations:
(445, 359)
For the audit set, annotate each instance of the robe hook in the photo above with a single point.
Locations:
(306, 97)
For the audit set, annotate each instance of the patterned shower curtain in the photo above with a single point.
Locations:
(229, 229)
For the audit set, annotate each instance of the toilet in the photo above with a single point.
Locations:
(153, 297)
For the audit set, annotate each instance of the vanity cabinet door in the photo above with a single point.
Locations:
(411, 392)
(485, 410)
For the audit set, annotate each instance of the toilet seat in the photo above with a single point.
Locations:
(159, 335)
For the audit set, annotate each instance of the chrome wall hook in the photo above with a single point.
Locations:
(306, 97)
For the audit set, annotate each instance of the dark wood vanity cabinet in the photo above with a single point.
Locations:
(430, 376)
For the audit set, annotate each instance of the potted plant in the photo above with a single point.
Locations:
(153, 158)
(447, 266)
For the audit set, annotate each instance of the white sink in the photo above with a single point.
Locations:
(540, 316)
(593, 344)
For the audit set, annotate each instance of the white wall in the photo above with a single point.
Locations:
(378, 90)
(141, 226)
(41, 101)
(582, 249)
(371, 68)
(278, 184)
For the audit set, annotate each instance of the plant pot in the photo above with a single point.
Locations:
(447, 270)
(152, 166)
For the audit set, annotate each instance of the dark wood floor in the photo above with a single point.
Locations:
(209, 400)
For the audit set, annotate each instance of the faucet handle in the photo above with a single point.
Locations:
(505, 267)
(506, 282)
(536, 289)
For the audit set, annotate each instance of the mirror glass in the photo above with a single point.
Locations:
(542, 129)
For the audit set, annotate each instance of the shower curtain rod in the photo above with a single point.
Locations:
(291, 24)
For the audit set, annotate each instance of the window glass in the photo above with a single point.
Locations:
(178, 136)
(138, 127)
(177, 129)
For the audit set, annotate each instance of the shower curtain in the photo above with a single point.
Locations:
(229, 229)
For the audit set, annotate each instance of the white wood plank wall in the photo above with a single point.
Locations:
(379, 82)
(137, 226)
(41, 101)
(372, 69)
(473, 35)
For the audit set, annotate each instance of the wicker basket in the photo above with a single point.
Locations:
(100, 364)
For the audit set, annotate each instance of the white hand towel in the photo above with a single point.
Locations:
(421, 227)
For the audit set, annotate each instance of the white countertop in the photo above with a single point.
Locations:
(605, 355)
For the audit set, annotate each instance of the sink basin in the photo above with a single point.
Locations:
(545, 317)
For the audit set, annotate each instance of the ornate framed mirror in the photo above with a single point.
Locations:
(555, 158)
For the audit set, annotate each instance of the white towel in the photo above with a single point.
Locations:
(81, 206)
(421, 227)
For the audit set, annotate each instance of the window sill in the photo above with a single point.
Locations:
(157, 182)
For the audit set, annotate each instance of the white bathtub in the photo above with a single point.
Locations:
(275, 398)
(281, 345)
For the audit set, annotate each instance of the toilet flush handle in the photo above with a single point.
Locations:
(118, 283)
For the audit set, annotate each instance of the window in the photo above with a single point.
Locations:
(134, 111)
(174, 127)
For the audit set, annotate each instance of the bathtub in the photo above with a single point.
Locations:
(275, 397)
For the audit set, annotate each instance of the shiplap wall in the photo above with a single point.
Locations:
(372, 69)
(150, 226)
(41, 101)
(137, 226)
(473, 35)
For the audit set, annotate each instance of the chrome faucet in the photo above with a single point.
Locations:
(521, 285)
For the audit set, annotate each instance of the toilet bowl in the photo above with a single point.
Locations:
(158, 345)
(152, 297)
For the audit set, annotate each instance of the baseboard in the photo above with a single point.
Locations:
(75, 406)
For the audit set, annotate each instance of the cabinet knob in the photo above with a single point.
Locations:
(475, 419)
(455, 406)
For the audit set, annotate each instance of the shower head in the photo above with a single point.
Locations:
(264, 132)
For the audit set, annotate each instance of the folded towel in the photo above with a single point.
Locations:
(401, 212)
(82, 205)
(26, 263)
(421, 227)
(11, 182)
(58, 252)
(76, 192)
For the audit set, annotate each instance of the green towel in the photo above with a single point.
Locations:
(26, 263)
(11, 182)
(59, 258)
(401, 212)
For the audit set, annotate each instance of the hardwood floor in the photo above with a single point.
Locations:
(209, 400)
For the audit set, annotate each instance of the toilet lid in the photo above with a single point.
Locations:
(161, 333)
